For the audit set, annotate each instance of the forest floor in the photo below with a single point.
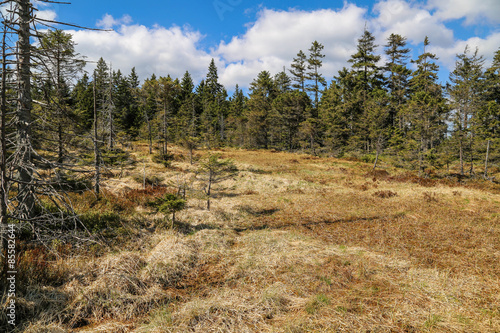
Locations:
(293, 243)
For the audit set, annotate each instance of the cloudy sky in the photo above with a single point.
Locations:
(247, 36)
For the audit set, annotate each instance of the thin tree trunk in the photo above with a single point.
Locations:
(376, 157)
(461, 157)
(209, 188)
(60, 140)
(3, 146)
(471, 171)
(25, 168)
(165, 125)
(421, 157)
(96, 147)
(486, 160)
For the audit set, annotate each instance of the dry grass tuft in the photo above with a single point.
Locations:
(117, 292)
(40, 327)
(385, 194)
(170, 261)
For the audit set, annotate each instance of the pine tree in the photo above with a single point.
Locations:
(58, 65)
(291, 108)
(427, 109)
(298, 71)
(262, 93)
(367, 79)
(282, 82)
(133, 115)
(466, 91)
(168, 93)
(489, 114)
(364, 63)
(149, 107)
(236, 120)
(213, 99)
(333, 118)
(397, 80)
(314, 63)
(83, 101)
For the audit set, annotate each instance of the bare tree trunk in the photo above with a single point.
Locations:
(25, 167)
(376, 156)
(97, 187)
(421, 157)
(209, 188)
(60, 156)
(486, 160)
(3, 148)
(471, 171)
(461, 158)
(165, 147)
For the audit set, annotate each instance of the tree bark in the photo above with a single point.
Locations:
(3, 146)
(96, 147)
(25, 167)
(486, 160)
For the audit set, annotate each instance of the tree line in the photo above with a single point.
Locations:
(366, 110)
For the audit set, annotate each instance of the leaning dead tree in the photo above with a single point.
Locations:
(33, 195)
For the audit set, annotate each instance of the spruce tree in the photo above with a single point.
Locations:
(213, 115)
(365, 78)
(262, 93)
(427, 109)
(314, 63)
(466, 91)
(299, 71)
(397, 78)
(489, 113)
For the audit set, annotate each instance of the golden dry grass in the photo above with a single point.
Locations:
(297, 243)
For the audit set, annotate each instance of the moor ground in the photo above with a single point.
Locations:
(293, 243)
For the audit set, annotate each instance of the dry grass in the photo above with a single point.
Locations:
(295, 244)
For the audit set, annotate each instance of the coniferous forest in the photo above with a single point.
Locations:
(368, 110)
(161, 204)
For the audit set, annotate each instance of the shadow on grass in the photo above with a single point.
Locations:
(257, 211)
(188, 228)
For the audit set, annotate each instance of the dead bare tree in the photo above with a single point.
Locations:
(30, 194)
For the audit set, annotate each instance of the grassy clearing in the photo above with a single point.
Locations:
(294, 243)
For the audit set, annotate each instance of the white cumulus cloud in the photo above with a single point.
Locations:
(412, 21)
(157, 50)
(276, 37)
(472, 11)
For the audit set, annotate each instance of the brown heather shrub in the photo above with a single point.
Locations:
(143, 196)
(107, 201)
(378, 173)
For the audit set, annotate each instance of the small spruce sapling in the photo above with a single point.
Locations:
(169, 204)
(215, 170)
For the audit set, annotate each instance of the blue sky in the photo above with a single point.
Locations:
(247, 36)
